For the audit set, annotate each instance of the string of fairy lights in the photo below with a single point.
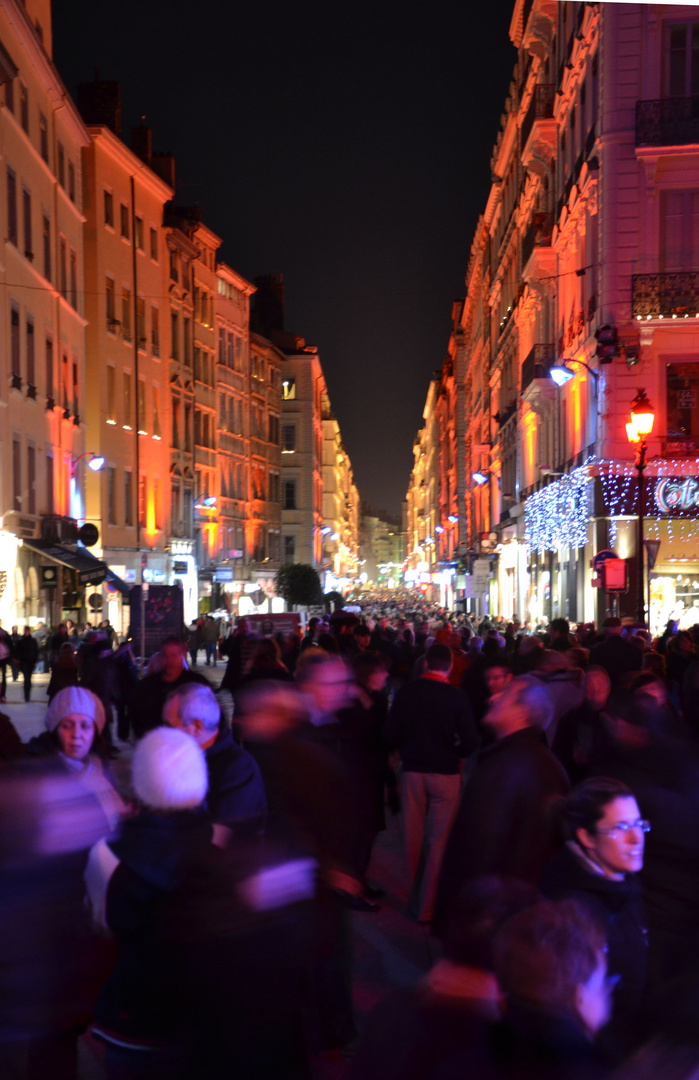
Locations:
(558, 515)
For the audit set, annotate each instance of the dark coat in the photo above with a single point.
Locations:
(149, 697)
(236, 795)
(502, 825)
(26, 651)
(431, 725)
(617, 906)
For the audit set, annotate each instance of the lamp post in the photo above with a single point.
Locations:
(639, 426)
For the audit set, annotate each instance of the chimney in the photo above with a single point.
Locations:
(142, 143)
(164, 166)
(99, 104)
(268, 303)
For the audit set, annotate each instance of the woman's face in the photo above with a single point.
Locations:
(618, 840)
(76, 734)
(377, 680)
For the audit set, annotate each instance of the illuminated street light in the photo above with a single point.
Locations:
(480, 478)
(640, 425)
(96, 462)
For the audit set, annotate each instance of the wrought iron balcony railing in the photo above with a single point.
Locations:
(540, 108)
(670, 294)
(667, 122)
(538, 363)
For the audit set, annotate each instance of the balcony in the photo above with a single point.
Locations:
(669, 295)
(538, 236)
(537, 364)
(674, 446)
(539, 129)
(667, 122)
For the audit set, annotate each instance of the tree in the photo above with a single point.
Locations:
(298, 583)
(335, 600)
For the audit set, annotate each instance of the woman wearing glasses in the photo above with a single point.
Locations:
(604, 836)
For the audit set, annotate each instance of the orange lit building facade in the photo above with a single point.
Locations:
(127, 400)
(582, 257)
(42, 324)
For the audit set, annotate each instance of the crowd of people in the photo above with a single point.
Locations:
(180, 863)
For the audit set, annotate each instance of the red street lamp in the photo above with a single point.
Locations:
(639, 426)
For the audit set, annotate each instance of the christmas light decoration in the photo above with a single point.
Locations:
(617, 478)
(557, 516)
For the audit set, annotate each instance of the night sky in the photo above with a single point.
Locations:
(346, 146)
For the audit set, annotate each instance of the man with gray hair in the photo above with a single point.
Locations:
(502, 825)
(236, 798)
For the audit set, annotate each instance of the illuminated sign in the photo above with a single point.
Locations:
(677, 495)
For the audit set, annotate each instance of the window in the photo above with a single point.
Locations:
(74, 279)
(46, 240)
(274, 430)
(289, 388)
(221, 346)
(142, 407)
(43, 137)
(289, 548)
(111, 312)
(60, 153)
(49, 484)
(62, 269)
(111, 495)
(173, 266)
(176, 423)
(111, 394)
(125, 221)
(679, 229)
(76, 406)
(188, 428)
(157, 434)
(27, 214)
(174, 336)
(16, 475)
(186, 324)
(126, 314)
(138, 233)
(31, 361)
(10, 95)
(154, 245)
(24, 107)
(141, 322)
(12, 207)
(109, 209)
(71, 181)
(155, 331)
(128, 497)
(682, 401)
(64, 385)
(31, 479)
(15, 361)
(127, 401)
(289, 495)
(48, 372)
(682, 59)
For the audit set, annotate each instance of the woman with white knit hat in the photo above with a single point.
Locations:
(74, 722)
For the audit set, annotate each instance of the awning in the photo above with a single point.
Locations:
(90, 571)
(112, 579)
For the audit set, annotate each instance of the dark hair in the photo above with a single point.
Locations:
(481, 908)
(172, 639)
(586, 803)
(560, 626)
(438, 657)
(366, 663)
(266, 653)
(544, 953)
(361, 630)
(312, 659)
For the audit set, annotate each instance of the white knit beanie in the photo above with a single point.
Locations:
(169, 770)
(75, 700)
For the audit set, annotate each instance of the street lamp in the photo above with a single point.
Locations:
(639, 426)
(561, 373)
(96, 462)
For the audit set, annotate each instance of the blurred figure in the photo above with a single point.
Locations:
(502, 824)
(5, 655)
(431, 726)
(236, 798)
(237, 647)
(617, 656)
(51, 965)
(551, 967)
(414, 1030)
(604, 842)
(580, 729)
(27, 654)
(266, 663)
(64, 670)
(209, 637)
(146, 707)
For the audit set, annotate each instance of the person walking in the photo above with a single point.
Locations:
(5, 659)
(431, 726)
(27, 654)
(209, 636)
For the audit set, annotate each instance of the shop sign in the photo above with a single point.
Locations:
(179, 567)
(224, 573)
(675, 496)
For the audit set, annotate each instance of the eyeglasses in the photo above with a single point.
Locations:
(624, 827)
